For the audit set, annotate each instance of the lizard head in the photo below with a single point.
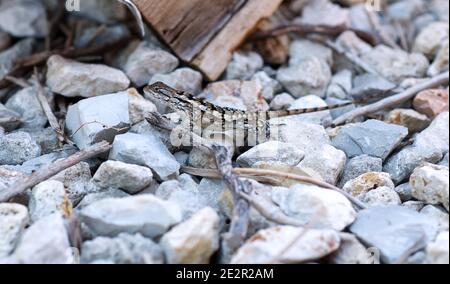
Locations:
(160, 91)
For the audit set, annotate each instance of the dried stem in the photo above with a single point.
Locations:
(53, 169)
(393, 100)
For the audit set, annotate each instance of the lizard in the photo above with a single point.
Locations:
(197, 109)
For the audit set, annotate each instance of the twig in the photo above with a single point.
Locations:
(53, 169)
(310, 29)
(393, 100)
(8, 120)
(18, 81)
(53, 121)
(295, 177)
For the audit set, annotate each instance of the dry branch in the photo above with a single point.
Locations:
(393, 100)
(53, 169)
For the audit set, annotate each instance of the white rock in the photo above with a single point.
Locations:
(328, 162)
(130, 178)
(326, 209)
(431, 185)
(281, 102)
(47, 198)
(265, 246)
(145, 150)
(363, 184)
(430, 39)
(438, 252)
(14, 218)
(138, 107)
(193, 241)
(437, 214)
(272, 152)
(45, 242)
(146, 61)
(312, 101)
(183, 79)
(269, 86)
(144, 214)
(382, 196)
(351, 251)
(72, 79)
(100, 118)
(124, 249)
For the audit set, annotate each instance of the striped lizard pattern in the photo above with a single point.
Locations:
(199, 110)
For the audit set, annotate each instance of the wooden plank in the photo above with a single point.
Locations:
(214, 58)
(187, 26)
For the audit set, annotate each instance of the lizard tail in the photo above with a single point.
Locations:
(310, 110)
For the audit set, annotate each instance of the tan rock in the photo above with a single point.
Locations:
(431, 102)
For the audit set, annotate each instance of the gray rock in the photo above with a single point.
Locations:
(414, 205)
(438, 251)
(328, 209)
(312, 101)
(26, 103)
(10, 119)
(146, 61)
(23, 18)
(103, 11)
(110, 34)
(360, 165)
(406, 10)
(123, 249)
(309, 76)
(351, 251)
(404, 191)
(21, 49)
(145, 150)
(350, 42)
(244, 65)
(392, 229)
(269, 86)
(31, 166)
(75, 180)
(47, 198)
(381, 196)
(5, 41)
(303, 49)
(72, 79)
(47, 139)
(373, 137)
(368, 87)
(264, 246)
(185, 193)
(429, 146)
(45, 242)
(129, 178)
(397, 65)
(438, 215)
(91, 198)
(341, 85)
(194, 241)
(183, 79)
(87, 123)
(444, 161)
(144, 214)
(14, 218)
(17, 147)
(282, 102)
(430, 184)
(272, 152)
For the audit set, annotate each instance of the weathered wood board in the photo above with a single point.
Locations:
(204, 33)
